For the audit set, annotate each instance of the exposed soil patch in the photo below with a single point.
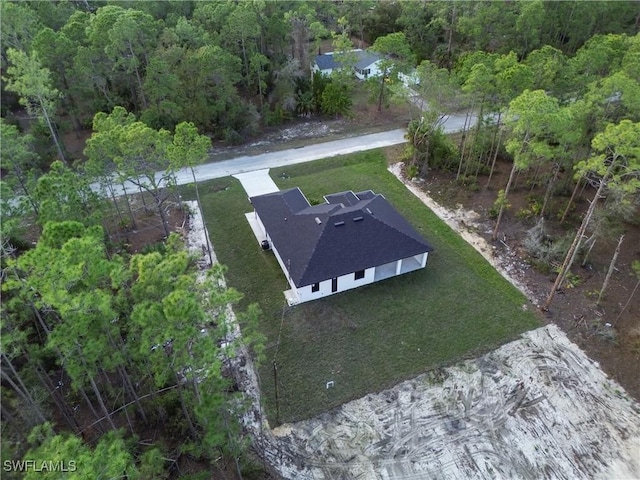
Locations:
(508, 414)
(149, 229)
(615, 344)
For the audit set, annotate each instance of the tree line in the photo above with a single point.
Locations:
(138, 342)
(134, 341)
(233, 67)
(564, 123)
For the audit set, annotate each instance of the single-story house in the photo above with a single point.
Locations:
(350, 240)
(367, 64)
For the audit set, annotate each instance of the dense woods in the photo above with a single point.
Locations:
(103, 348)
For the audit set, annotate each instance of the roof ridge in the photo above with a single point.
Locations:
(313, 250)
(399, 231)
(378, 195)
(311, 257)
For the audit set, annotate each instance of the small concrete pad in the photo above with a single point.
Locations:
(257, 182)
(255, 227)
(291, 297)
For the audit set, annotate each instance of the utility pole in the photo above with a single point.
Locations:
(275, 382)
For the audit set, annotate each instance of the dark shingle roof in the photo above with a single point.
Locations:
(326, 62)
(351, 232)
(364, 59)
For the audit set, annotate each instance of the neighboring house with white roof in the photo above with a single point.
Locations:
(350, 240)
(367, 64)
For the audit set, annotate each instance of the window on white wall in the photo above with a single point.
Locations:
(315, 287)
(359, 275)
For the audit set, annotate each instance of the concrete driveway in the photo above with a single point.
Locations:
(257, 182)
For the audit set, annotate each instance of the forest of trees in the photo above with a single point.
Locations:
(103, 349)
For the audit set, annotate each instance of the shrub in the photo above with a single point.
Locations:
(159, 247)
(412, 171)
(231, 136)
(336, 100)
(470, 182)
(543, 249)
(571, 280)
(444, 154)
(501, 202)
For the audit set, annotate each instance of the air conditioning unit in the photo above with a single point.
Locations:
(265, 245)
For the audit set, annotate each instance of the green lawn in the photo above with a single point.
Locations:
(370, 338)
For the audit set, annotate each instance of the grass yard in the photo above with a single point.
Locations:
(370, 338)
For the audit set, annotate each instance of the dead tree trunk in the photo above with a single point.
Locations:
(506, 192)
(635, 289)
(550, 186)
(612, 266)
(21, 389)
(568, 260)
(573, 195)
(495, 157)
(591, 241)
(55, 392)
(101, 402)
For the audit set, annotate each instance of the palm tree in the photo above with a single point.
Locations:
(304, 103)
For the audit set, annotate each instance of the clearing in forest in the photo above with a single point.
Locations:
(373, 337)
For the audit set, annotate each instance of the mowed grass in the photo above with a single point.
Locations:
(371, 338)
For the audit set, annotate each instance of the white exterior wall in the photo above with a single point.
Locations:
(345, 282)
(261, 225)
(348, 282)
(315, 68)
(375, 71)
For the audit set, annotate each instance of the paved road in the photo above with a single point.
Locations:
(293, 156)
(309, 153)
(453, 123)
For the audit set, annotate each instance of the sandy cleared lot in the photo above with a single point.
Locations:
(537, 407)
(534, 408)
